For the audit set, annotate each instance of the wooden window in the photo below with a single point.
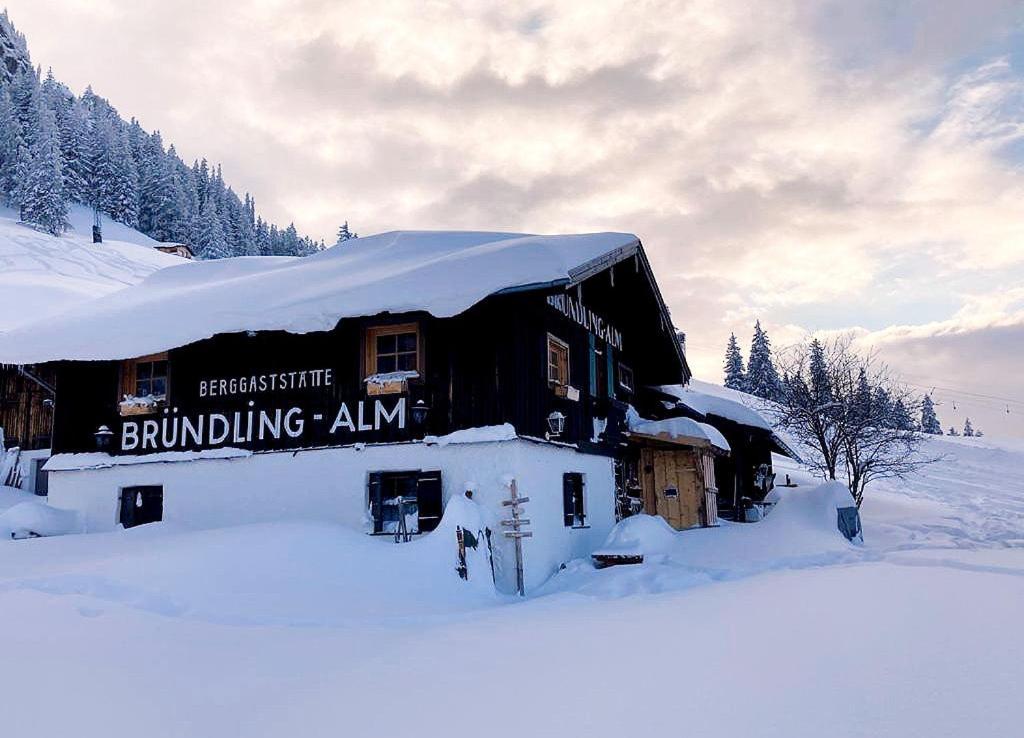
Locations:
(393, 348)
(421, 500)
(573, 500)
(625, 377)
(145, 376)
(558, 362)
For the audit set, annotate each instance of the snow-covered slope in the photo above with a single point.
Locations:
(779, 628)
(443, 273)
(42, 275)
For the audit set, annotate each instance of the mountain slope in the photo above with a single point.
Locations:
(42, 275)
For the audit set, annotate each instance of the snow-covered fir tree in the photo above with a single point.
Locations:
(882, 407)
(929, 420)
(43, 202)
(820, 385)
(968, 428)
(117, 167)
(953, 432)
(901, 419)
(11, 143)
(735, 377)
(762, 377)
(344, 234)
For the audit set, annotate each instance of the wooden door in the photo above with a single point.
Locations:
(672, 486)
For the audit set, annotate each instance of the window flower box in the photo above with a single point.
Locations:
(146, 405)
(389, 383)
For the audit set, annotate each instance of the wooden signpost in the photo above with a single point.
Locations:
(516, 523)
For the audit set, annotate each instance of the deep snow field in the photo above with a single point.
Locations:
(779, 628)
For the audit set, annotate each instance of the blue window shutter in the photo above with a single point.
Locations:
(611, 371)
(593, 367)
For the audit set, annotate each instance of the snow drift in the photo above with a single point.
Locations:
(443, 273)
(801, 531)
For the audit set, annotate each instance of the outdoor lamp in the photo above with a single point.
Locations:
(104, 436)
(419, 412)
(556, 423)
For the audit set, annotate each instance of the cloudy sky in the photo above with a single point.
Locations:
(837, 165)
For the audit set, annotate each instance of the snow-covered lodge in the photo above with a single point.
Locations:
(370, 383)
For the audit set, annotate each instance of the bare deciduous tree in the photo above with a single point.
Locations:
(842, 406)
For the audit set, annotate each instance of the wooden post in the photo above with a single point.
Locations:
(516, 534)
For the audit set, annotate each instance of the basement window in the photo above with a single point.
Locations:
(573, 500)
(141, 505)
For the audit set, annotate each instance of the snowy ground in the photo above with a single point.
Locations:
(774, 629)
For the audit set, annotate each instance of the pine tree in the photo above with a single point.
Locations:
(159, 200)
(901, 417)
(211, 243)
(953, 432)
(968, 428)
(70, 122)
(11, 143)
(863, 407)
(735, 378)
(762, 377)
(43, 202)
(929, 420)
(344, 234)
(821, 385)
(882, 408)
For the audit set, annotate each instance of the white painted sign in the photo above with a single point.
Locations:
(576, 311)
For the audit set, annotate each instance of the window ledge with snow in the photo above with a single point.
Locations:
(389, 383)
(145, 405)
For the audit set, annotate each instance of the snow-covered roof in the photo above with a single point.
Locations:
(700, 397)
(683, 430)
(442, 273)
(714, 401)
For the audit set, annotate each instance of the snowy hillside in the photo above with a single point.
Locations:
(779, 628)
(41, 275)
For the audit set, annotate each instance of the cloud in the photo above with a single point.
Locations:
(814, 164)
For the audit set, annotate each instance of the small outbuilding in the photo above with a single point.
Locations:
(745, 475)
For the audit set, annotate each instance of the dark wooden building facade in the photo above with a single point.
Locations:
(581, 353)
(26, 405)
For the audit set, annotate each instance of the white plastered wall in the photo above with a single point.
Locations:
(330, 484)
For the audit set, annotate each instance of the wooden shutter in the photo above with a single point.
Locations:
(428, 495)
(572, 489)
(374, 502)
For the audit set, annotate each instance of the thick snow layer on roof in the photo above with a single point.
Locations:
(442, 273)
(43, 275)
(709, 399)
(680, 429)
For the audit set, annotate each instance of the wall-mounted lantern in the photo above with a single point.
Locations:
(556, 424)
(420, 410)
(104, 438)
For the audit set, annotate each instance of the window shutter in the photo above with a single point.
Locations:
(373, 496)
(428, 495)
(572, 498)
(610, 374)
(593, 367)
